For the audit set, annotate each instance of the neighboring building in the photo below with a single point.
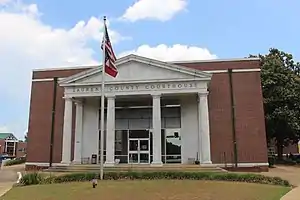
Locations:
(21, 149)
(291, 148)
(11, 146)
(156, 113)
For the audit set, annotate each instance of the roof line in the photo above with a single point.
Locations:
(170, 62)
(64, 68)
(214, 60)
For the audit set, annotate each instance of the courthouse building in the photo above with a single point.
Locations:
(156, 113)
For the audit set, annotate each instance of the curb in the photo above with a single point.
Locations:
(5, 191)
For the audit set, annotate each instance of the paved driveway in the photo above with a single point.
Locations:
(290, 173)
(8, 176)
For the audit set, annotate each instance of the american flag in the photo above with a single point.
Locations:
(110, 58)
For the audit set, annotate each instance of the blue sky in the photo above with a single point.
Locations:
(230, 28)
(41, 34)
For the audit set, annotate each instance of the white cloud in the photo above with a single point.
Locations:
(162, 10)
(176, 52)
(27, 43)
(4, 129)
(3, 2)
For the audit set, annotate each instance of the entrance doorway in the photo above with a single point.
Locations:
(139, 151)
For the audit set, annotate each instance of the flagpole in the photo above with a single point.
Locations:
(102, 102)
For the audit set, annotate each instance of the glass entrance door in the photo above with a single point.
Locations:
(139, 151)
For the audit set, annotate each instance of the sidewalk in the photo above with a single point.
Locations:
(292, 195)
(7, 178)
(290, 173)
(5, 187)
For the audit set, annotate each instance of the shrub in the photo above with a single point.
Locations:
(286, 162)
(14, 162)
(36, 178)
(73, 177)
(271, 160)
(33, 178)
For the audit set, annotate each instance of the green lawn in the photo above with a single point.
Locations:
(149, 190)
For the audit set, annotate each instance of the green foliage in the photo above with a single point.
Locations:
(281, 91)
(271, 160)
(32, 179)
(26, 137)
(14, 162)
(36, 178)
(286, 162)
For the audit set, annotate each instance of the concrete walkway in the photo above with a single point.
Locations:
(8, 177)
(292, 195)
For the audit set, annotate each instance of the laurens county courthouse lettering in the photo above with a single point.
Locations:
(157, 113)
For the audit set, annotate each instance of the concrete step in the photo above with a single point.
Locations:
(96, 168)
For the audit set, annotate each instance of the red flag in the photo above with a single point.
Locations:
(110, 58)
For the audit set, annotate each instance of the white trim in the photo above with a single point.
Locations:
(214, 60)
(45, 79)
(216, 71)
(233, 70)
(233, 164)
(43, 164)
(247, 70)
(62, 68)
(12, 141)
(42, 80)
(134, 82)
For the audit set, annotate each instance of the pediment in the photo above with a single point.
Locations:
(11, 137)
(138, 69)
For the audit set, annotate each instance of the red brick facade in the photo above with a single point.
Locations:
(2, 146)
(21, 148)
(249, 114)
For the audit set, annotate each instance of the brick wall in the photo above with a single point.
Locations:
(39, 129)
(249, 112)
(21, 149)
(2, 146)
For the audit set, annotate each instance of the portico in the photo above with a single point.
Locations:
(156, 113)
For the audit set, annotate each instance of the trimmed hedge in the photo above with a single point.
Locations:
(38, 178)
(14, 162)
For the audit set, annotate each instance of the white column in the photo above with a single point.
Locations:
(6, 147)
(156, 124)
(67, 132)
(78, 132)
(204, 132)
(110, 132)
(15, 153)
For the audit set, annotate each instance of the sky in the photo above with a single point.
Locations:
(59, 33)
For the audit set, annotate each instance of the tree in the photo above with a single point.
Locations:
(26, 138)
(281, 91)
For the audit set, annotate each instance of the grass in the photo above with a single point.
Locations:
(149, 190)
